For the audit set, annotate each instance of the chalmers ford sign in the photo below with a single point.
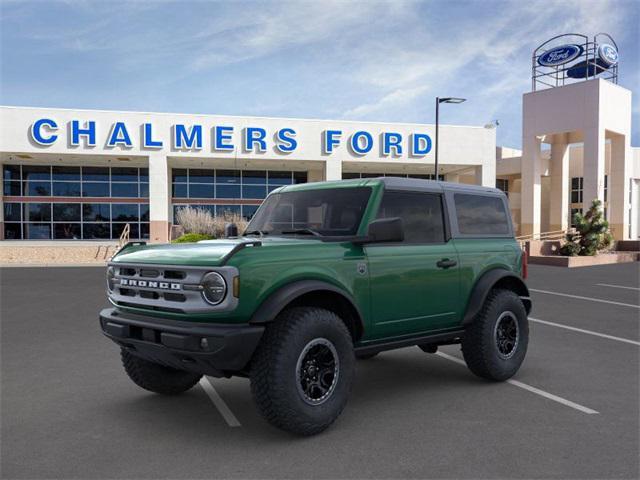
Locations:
(222, 138)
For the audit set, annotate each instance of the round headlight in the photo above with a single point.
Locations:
(214, 288)
(111, 273)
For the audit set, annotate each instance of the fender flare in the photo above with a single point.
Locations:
(278, 300)
(484, 285)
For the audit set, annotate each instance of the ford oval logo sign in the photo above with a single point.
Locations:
(560, 55)
(608, 54)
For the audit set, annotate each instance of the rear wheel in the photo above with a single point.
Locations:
(157, 378)
(495, 344)
(302, 371)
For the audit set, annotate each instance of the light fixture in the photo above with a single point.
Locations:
(451, 100)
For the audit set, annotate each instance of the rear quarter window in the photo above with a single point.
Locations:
(481, 215)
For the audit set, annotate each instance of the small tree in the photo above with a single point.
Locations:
(591, 235)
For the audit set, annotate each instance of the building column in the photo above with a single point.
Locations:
(486, 174)
(159, 198)
(333, 169)
(559, 205)
(618, 187)
(593, 167)
(531, 186)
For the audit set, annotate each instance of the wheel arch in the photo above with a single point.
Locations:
(314, 293)
(495, 278)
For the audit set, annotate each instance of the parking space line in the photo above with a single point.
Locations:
(589, 332)
(617, 286)
(217, 400)
(585, 298)
(529, 388)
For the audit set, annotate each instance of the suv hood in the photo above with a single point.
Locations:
(204, 253)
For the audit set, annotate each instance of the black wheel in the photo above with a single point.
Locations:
(366, 356)
(157, 378)
(495, 344)
(302, 371)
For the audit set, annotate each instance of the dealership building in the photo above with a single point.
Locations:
(86, 174)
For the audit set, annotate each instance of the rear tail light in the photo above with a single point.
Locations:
(525, 264)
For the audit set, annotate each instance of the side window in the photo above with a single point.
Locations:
(421, 215)
(481, 215)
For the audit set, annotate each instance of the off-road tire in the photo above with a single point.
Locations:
(366, 356)
(275, 374)
(157, 378)
(479, 345)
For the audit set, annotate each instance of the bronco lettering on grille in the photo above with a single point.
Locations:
(129, 282)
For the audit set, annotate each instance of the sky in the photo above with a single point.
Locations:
(344, 60)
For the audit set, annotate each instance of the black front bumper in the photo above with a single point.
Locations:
(181, 345)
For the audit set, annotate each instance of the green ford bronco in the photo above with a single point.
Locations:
(325, 273)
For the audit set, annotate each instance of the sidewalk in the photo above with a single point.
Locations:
(55, 253)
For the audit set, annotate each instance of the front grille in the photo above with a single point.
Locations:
(151, 278)
(148, 273)
(174, 275)
(167, 288)
(148, 294)
(174, 297)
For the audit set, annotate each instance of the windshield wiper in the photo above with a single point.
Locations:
(255, 232)
(302, 231)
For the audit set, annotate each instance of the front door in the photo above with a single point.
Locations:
(415, 283)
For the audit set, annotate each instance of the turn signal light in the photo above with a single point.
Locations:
(236, 286)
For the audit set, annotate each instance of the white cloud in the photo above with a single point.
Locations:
(250, 35)
(487, 56)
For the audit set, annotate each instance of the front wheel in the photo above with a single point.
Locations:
(302, 371)
(157, 378)
(495, 344)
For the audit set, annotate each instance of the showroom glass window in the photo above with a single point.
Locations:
(245, 189)
(77, 202)
(427, 176)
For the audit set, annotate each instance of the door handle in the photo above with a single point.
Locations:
(446, 263)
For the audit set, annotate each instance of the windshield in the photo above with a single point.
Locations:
(326, 212)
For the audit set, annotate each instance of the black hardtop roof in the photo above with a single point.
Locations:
(418, 184)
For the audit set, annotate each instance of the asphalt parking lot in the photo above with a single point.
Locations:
(69, 411)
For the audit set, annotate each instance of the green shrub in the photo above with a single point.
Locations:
(591, 235)
(192, 238)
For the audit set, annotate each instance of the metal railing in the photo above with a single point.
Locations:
(124, 236)
(544, 236)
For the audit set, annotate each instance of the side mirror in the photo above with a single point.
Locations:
(385, 230)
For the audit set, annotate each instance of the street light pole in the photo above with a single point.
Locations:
(438, 102)
(435, 177)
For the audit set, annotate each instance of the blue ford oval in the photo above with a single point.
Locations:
(560, 55)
